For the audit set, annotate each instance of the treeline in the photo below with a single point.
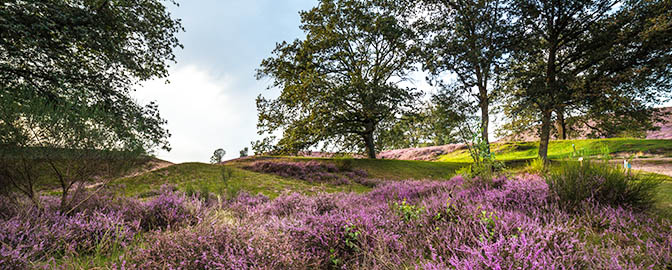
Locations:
(345, 85)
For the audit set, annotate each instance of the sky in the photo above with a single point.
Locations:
(210, 100)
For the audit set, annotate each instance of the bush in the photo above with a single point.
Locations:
(166, 210)
(227, 173)
(575, 183)
(535, 166)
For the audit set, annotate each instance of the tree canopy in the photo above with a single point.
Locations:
(87, 56)
(341, 82)
(595, 57)
(67, 68)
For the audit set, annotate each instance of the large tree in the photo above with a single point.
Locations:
(340, 82)
(467, 40)
(67, 68)
(588, 54)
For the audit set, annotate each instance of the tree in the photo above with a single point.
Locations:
(572, 54)
(244, 152)
(468, 39)
(341, 82)
(217, 156)
(432, 124)
(66, 72)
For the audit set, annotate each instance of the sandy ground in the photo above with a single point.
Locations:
(655, 165)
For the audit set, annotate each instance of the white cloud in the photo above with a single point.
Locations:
(203, 112)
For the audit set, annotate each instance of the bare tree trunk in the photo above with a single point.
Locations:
(485, 117)
(545, 135)
(370, 147)
(561, 124)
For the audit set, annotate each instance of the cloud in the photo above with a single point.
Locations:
(204, 112)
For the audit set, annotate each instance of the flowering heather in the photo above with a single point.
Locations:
(421, 153)
(98, 225)
(515, 223)
(311, 171)
(414, 225)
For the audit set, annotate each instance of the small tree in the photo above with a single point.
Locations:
(217, 156)
(244, 152)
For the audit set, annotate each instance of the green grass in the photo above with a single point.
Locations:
(511, 151)
(200, 175)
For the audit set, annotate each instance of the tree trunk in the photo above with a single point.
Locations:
(545, 135)
(485, 118)
(370, 147)
(561, 125)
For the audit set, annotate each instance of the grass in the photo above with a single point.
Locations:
(199, 176)
(511, 151)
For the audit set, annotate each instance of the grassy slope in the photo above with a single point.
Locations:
(197, 176)
(562, 149)
(201, 175)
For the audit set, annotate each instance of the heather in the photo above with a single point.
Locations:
(416, 225)
(512, 222)
(311, 171)
(101, 223)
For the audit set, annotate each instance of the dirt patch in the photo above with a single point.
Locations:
(655, 165)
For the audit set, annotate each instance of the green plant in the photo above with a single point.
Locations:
(204, 193)
(351, 237)
(217, 156)
(450, 214)
(344, 164)
(489, 220)
(226, 173)
(576, 182)
(189, 191)
(485, 164)
(407, 211)
(535, 166)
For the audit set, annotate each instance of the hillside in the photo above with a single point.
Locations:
(200, 177)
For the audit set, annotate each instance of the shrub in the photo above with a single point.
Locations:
(166, 210)
(535, 166)
(226, 173)
(574, 183)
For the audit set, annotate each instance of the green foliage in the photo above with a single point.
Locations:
(450, 214)
(244, 152)
(576, 182)
(432, 124)
(227, 173)
(535, 166)
(469, 39)
(344, 164)
(407, 212)
(484, 162)
(351, 237)
(577, 66)
(489, 219)
(217, 156)
(67, 69)
(340, 82)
